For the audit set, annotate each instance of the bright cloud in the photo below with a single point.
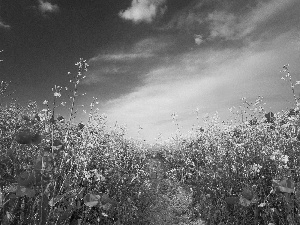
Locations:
(198, 39)
(144, 10)
(211, 80)
(47, 7)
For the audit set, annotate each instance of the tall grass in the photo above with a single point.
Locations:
(52, 171)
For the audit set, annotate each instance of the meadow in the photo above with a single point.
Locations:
(53, 171)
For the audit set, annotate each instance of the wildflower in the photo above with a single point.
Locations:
(89, 145)
(284, 159)
(45, 102)
(98, 176)
(255, 168)
(57, 94)
(262, 204)
(285, 67)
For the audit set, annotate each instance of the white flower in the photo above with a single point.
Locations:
(284, 159)
(89, 145)
(272, 157)
(262, 204)
(256, 168)
(45, 102)
(57, 94)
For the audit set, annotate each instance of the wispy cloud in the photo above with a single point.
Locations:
(120, 57)
(228, 23)
(232, 27)
(143, 49)
(138, 58)
(3, 25)
(47, 7)
(144, 10)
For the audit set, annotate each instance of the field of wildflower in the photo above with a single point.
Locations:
(53, 171)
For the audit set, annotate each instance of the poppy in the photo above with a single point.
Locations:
(36, 139)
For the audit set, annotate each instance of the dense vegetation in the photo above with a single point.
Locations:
(55, 172)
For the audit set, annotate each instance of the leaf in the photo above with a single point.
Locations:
(30, 192)
(25, 179)
(286, 185)
(55, 200)
(247, 194)
(232, 200)
(91, 200)
(106, 206)
(244, 202)
(105, 199)
(23, 191)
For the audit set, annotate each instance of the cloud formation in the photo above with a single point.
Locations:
(47, 7)
(198, 39)
(231, 23)
(144, 10)
(130, 62)
(3, 25)
(230, 26)
(211, 80)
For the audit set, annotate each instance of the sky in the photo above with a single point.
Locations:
(149, 59)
